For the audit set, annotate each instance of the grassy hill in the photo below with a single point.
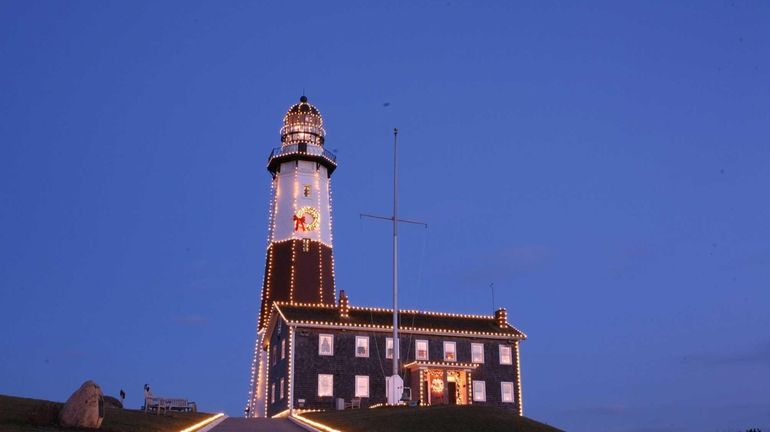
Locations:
(28, 415)
(445, 418)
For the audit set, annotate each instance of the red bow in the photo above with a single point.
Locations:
(299, 222)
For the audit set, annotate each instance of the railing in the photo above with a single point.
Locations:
(308, 149)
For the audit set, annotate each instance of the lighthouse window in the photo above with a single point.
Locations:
(505, 355)
(280, 390)
(421, 350)
(506, 389)
(325, 384)
(306, 191)
(389, 348)
(325, 344)
(479, 391)
(305, 245)
(450, 351)
(477, 353)
(362, 386)
(283, 349)
(362, 346)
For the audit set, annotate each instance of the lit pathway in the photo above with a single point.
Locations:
(239, 424)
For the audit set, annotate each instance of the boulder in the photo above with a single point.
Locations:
(85, 408)
(112, 402)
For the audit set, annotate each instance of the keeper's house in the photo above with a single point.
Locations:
(320, 353)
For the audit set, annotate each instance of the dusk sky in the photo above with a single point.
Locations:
(606, 165)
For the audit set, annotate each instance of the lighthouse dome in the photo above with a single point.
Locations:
(303, 124)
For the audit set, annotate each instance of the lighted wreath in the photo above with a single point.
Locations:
(300, 221)
(437, 385)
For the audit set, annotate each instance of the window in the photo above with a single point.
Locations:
(421, 350)
(280, 390)
(272, 397)
(479, 391)
(389, 348)
(275, 354)
(505, 355)
(362, 346)
(362, 386)
(283, 349)
(325, 384)
(305, 245)
(506, 389)
(306, 191)
(325, 344)
(450, 351)
(477, 353)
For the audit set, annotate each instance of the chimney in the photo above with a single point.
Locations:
(344, 307)
(501, 316)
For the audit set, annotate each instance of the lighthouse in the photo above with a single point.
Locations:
(299, 263)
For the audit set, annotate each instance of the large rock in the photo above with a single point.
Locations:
(112, 402)
(85, 408)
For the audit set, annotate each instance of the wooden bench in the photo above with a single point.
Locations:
(160, 405)
(354, 403)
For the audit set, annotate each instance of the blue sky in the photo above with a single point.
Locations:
(606, 165)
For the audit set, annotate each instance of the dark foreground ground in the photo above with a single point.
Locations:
(445, 418)
(27, 415)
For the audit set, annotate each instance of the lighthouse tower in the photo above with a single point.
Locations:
(299, 266)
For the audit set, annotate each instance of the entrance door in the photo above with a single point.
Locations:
(452, 392)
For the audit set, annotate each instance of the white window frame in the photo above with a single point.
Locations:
(480, 348)
(361, 378)
(510, 355)
(502, 391)
(362, 338)
(280, 390)
(330, 391)
(454, 350)
(483, 386)
(417, 349)
(388, 341)
(331, 344)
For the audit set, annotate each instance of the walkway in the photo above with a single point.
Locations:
(239, 424)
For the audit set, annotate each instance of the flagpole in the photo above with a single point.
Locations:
(395, 252)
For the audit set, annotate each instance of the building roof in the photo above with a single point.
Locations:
(411, 321)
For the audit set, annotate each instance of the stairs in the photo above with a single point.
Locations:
(239, 424)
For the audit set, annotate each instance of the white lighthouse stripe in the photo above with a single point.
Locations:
(294, 177)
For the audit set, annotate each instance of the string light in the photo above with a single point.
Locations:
(422, 389)
(282, 414)
(291, 367)
(314, 424)
(419, 363)
(518, 335)
(470, 388)
(520, 403)
(317, 185)
(202, 423)
(267, 375)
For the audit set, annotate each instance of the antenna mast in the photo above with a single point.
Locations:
(394, 383)
(395, 252)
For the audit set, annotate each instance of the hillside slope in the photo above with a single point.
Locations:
(28, 415)
(445, 418)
